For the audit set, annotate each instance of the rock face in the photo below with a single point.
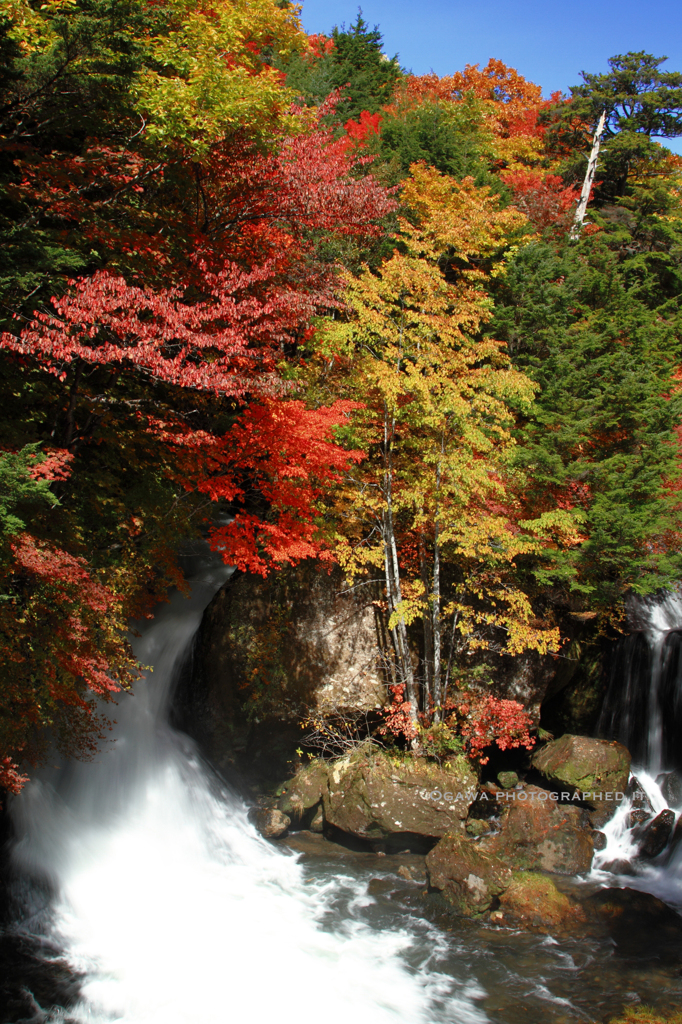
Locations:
(268, 649)
(301, 638)
(598, 767)
(469, 878)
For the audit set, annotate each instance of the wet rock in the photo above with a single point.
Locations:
(637, 922)
(671, 788)
(640, 801)
(379, 886)
(675, 839)
(654, 837)
(599, 840)
(34, 975)
(317, 824)
(270, 822)
(619, 866)
(536, 832)
(638, 817)
(304, 791)
(533, 901)
(508, 779)
(405, 873)
(313, 846)
(599, 768)
(372, 797)
(468, 877)
(477, 827)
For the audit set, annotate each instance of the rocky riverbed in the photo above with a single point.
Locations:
(626, 950)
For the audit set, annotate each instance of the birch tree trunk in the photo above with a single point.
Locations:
(589, 179)
(427, 622)
(392, 571)
(435, 605)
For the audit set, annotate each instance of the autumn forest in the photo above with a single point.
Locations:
(272, 290)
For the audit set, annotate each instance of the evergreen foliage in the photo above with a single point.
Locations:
(451, 138)
(597, 326)
(355, 65)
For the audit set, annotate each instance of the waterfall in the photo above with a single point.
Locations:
(643, 710)
(643, 703)
(175, 911)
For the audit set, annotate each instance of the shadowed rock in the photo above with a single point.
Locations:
(639, 923)
(671, 788)
(654, 837)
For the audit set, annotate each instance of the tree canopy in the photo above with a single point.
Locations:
(270, 289)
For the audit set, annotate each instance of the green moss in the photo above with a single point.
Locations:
(646, 1015)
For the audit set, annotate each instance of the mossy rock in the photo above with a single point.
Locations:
(373, 796)
(304, 791)
(646, 1015)
(600, 767)
(532, 901)
(584, 763)
(508, 779)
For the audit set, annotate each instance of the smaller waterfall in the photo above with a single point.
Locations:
(630, 830)
(643, 710)
(643, 703)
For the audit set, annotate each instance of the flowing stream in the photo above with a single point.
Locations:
(173, 909)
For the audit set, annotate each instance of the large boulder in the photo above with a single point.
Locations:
(599, 769)
(536, 832)
(532, 901)
(373, 797)
(468, 877)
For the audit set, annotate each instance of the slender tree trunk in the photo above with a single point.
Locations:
(436, 628)
(392, 570)
(70, 430)
(428, 625)
(451, 652)
(435, 597)
(589, 178)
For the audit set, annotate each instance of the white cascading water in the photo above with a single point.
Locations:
(174, 909)
(657, 620)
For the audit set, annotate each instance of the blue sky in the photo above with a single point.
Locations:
(550, 43)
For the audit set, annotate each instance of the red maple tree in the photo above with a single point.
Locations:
(212, 275)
